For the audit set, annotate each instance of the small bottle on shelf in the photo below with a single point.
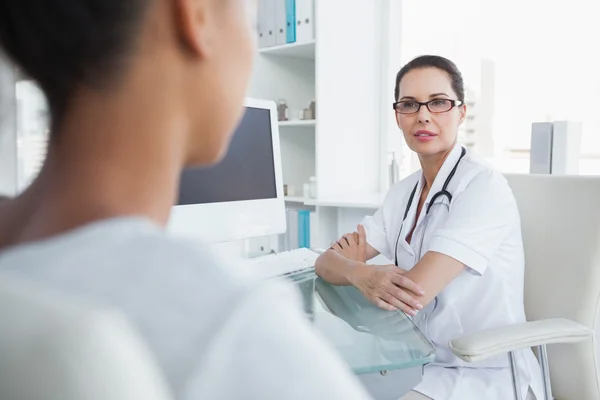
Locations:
(313, 187)
(282, 110)
(394, 170)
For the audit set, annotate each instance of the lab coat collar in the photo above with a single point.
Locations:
(443, 173)
(438, 183)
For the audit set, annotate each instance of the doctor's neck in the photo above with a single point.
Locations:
(431, 165)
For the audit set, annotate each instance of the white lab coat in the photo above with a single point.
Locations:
(481, 228)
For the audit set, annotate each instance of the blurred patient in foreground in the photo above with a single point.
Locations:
(139, 90)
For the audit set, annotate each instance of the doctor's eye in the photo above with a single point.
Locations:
(439, 105)
(407, 107)
(439, 102)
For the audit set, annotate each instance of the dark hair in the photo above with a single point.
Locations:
(66, 44)
(429, 61)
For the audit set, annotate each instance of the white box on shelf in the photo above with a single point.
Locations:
(540, 160)
(555, 147)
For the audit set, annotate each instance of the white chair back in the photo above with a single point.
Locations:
(560, 218)
(52, 349)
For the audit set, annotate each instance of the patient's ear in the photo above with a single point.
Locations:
(193, 24)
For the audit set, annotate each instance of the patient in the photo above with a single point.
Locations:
(139, 90)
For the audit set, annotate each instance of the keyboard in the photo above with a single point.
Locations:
(285, 263)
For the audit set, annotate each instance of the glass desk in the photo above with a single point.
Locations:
(369, 339)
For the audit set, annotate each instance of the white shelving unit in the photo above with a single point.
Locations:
(294, 50)
(342, 71)
(368, 201)
(365, 201)
(294, 199)
(297, 123)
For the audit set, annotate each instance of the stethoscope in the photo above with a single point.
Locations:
(443, 192)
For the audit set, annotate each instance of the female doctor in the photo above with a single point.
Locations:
(453, 232)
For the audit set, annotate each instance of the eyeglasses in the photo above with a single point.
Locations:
(435, 106)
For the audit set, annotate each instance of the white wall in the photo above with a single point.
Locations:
(348, 97)
(391, 41)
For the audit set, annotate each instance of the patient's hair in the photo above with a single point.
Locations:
(4, 198)
(430, 61)
(66, 44)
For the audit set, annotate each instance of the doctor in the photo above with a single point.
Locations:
(453, 232)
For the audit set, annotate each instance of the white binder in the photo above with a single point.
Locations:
(280, 23)
(305, 24)
(261, 24)
(270, 25)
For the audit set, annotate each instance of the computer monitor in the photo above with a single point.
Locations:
(241, 196)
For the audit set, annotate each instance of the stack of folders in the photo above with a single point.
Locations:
(301, 227)
(285, 21)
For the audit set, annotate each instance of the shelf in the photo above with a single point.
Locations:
(295, 199)
(371, 200)
(294, 50)
(298, 123)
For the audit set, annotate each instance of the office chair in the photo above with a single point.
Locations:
(52, 349)
(560, 218)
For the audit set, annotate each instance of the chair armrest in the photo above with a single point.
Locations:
(493, 342)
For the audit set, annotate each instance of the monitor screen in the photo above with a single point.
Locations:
(247, 172)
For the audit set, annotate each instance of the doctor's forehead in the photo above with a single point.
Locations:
(423, 83)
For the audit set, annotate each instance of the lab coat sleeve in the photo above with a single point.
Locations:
(480, 220)
(376, 232)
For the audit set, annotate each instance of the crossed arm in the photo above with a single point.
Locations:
(387, 286)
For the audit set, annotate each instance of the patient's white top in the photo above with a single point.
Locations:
(216, 331)
(481, 228)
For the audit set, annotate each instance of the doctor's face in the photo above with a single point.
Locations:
(432, 130)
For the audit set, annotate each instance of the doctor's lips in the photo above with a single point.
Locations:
(424, 136)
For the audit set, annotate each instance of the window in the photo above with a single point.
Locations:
(523, 62)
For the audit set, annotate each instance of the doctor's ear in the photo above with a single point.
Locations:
(463, 114)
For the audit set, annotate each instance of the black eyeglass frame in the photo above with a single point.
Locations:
(454, 103)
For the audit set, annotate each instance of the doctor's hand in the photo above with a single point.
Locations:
(353, 246)
(387, 287)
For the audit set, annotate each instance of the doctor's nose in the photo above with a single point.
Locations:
(424, 115)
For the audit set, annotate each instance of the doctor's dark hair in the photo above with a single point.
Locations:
(431, 61)
(68, 44)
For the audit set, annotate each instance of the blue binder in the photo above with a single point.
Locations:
(290, 15)
(304, 228)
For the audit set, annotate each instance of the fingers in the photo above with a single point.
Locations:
(405, 298)
(345, 237)
(336, 246)
(385, 305)
(347, 240)
(362, 235)
(399, 305)
(406, 284)
(351, 238)
(342, 243)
